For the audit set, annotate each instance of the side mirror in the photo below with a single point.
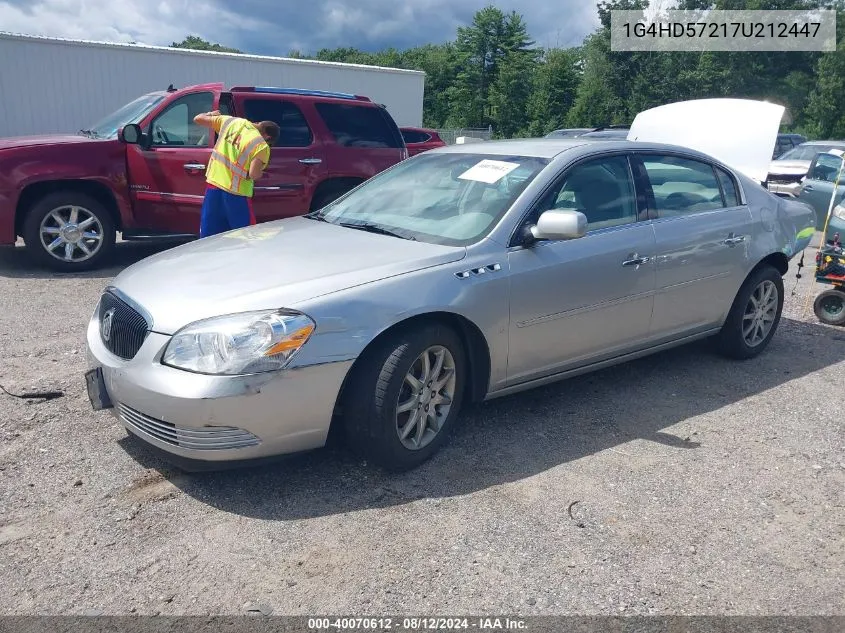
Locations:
(558, 224)
(131, 134)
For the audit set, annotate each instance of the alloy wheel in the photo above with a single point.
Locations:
(71, 233)
(426, 397)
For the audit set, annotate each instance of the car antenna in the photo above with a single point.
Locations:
(170, 88)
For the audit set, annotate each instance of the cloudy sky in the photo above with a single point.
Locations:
(274, 27)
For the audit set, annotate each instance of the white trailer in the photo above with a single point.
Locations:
(52, 85)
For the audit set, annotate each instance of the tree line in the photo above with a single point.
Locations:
(493, 74)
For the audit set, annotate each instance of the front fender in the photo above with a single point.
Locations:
(348, 321)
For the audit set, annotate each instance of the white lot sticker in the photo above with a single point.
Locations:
(488, 171)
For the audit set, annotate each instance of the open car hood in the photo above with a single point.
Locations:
(739, 132)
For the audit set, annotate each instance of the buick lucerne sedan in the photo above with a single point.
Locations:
(465, 273)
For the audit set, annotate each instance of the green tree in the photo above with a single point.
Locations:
(555, 81)
(197, 43)
(481, 48)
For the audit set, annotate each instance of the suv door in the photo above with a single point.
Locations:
(365, 138)
(297, 159)
(167, 178)
(703, 233)
(817, 187)
(579, 301)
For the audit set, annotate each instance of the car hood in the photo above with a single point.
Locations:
(44, 139)
(789, 166)
(739, 132)
(270, 265)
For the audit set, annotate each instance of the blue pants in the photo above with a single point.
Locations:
(223, 211)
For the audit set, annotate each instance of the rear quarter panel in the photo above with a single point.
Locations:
(781, 225)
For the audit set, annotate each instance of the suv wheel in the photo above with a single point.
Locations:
(402, 401)
(69, 231)
(754, 316)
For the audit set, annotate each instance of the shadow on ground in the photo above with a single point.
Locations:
(515, 437)
(15, 262)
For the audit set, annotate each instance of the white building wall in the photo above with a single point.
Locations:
(51, 85)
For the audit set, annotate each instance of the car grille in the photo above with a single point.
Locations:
(211, 438)
(126, 329)
(785, 179)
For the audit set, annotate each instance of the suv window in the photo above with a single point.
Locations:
(682, 186)
(294, 130)
(412, 136)
(175, 125)
(359, 126)
(601, 189)
(826, 168)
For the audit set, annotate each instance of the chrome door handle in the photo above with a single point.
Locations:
(193, 166)
(310, 161)
(808, 187)
(636, 261)
(732, 241)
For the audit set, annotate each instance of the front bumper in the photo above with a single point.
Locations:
(217, 418)
(790, 190)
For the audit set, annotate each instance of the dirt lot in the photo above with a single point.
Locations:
(702, 486)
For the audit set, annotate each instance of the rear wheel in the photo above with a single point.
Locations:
(754, 316)
(401, 403)
(829, 307)
(68, 231)
(329, 193)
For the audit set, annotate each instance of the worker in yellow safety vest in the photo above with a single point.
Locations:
(239, 158)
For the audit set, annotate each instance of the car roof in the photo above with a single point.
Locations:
(550, 148)
(834, 143)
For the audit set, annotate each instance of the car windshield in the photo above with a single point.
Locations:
(132, 112)
(451, 199)
(807, 152)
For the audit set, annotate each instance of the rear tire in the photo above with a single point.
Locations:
(329, 194)
(829, 307)
(754, 315)
(399, 408)
(68, 231)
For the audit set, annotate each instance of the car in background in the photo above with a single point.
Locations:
(786, 142)
(608, 131)
(568, 132)
(468, 273)
(817, 190)
(787, 172)
(420, 139)
(141, 170)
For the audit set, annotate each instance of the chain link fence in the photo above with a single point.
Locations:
(450, 135)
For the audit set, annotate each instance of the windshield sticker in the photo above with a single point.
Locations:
(488, 171)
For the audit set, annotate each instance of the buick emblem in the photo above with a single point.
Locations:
(105, 326)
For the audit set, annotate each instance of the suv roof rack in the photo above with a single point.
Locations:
(299, 91)
(618, 126)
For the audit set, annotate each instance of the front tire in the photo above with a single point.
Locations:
(754, 316)
(69, 231)
(401, 403)
(829, 307)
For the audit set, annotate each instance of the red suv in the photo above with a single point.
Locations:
(67, 196)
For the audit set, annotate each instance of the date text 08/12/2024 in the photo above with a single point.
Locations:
(415, 624)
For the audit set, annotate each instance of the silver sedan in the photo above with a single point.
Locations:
(465, 273)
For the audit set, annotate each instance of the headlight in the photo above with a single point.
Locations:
(839, 211)
(246, 343)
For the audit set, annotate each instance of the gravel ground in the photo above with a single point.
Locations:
(700, 486)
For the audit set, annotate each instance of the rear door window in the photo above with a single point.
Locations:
(682, 186)
(294, 130)
(359, 126)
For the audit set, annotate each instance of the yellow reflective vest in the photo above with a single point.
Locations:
(238, 143)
